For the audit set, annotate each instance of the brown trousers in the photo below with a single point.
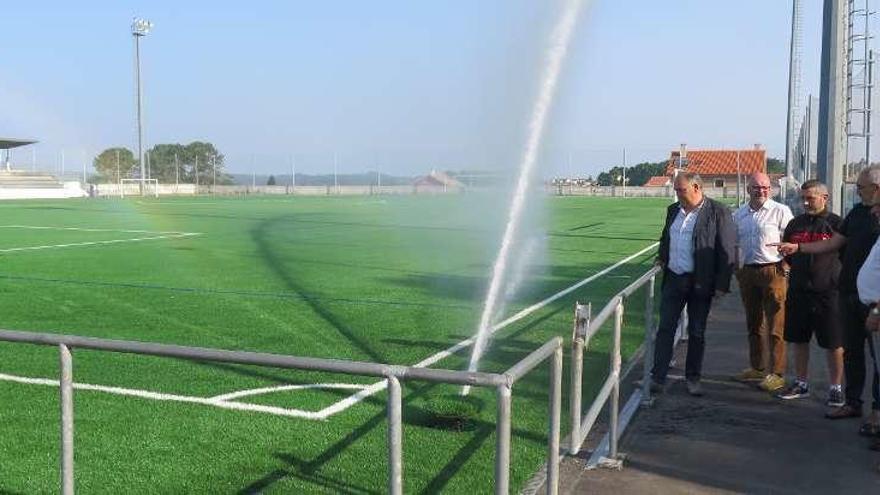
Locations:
(763, 294)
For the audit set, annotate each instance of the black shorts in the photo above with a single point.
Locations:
(808, 313)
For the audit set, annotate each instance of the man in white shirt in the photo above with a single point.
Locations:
(697, 252)
(762, 282)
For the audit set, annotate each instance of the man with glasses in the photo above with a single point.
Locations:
(762, 282)
(697, 252)
(858, 234)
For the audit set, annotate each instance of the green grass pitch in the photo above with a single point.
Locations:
(386, 279)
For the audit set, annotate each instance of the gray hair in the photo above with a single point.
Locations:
(815, 184)
(872, 173)
(691, 178)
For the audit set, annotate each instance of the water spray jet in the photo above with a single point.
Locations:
(559, 41)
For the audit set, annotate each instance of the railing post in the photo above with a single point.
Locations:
(581, 323)
(648, 361)
(66, 385)
(615, 370)
(502, 441)
(395, 438)
(555, 420)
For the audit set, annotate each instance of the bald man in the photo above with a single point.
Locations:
(762, 282)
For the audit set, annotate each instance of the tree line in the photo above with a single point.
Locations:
(638, 174)
(193, 163)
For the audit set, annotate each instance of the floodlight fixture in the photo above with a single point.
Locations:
(140, 27)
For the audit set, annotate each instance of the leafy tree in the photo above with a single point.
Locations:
(271, 181)
(775, 166)
(636, 175)
(193, 162)
(106, 164)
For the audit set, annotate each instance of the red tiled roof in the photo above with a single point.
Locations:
(658, 181)
(719, 162)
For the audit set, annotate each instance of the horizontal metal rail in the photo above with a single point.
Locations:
(259, 359)
(394, 374)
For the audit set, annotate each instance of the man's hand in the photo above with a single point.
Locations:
(785, 248)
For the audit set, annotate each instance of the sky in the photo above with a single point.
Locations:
(399, 86)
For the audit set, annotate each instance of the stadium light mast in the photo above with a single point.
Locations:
(139, 29)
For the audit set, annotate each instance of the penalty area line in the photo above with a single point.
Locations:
(98, 243)
(344, 404)
(84, 229)
(219, 401)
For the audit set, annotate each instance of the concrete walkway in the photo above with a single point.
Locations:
(736, 438)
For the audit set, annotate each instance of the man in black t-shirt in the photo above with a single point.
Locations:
(811, 305)
(857, 235)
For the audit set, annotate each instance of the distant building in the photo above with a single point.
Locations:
(438, 180)
(659, 181)
(717, 168)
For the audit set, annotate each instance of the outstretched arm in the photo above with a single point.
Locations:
(836, 242)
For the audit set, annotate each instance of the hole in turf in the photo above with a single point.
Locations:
(450, 412)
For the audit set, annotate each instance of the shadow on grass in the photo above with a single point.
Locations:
(268, 253)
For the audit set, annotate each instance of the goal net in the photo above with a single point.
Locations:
(139, 187)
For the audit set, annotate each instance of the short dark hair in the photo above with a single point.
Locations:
(814, 184)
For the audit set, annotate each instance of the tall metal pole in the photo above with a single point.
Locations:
(869, 90)
(738, 181)
(176, 173)
(214, 166)
(624, 172)
(292, 172)
(794, 66)
(831, 149)
(139, 28)
(118, 177)
(335, 172)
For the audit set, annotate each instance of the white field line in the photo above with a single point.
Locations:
(83, 229)
(344, 404)
(97, 243)
(221, 401)
(364, 391)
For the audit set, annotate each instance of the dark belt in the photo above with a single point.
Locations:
(760, 265)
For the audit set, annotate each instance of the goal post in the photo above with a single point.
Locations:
(142, 187)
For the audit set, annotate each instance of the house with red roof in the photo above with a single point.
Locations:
(717, 168)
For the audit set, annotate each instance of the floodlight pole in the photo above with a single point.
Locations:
(214, 166)
(624, 172)
(118, 178)
(292, 172)
(139, 28)
(176, 174)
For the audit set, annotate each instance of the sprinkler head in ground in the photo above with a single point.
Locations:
(452, 411)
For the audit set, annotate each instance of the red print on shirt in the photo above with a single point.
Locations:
(807, 237)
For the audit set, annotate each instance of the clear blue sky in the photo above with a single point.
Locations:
(403, 86)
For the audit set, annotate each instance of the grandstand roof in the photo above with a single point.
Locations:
(719, 162)
(7, 143)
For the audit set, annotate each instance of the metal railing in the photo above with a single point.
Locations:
(502, 382)
(585, 328)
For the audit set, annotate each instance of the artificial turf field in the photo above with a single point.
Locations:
(383, 279)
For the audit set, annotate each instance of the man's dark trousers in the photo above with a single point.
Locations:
(855, 335)
(678, 290)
